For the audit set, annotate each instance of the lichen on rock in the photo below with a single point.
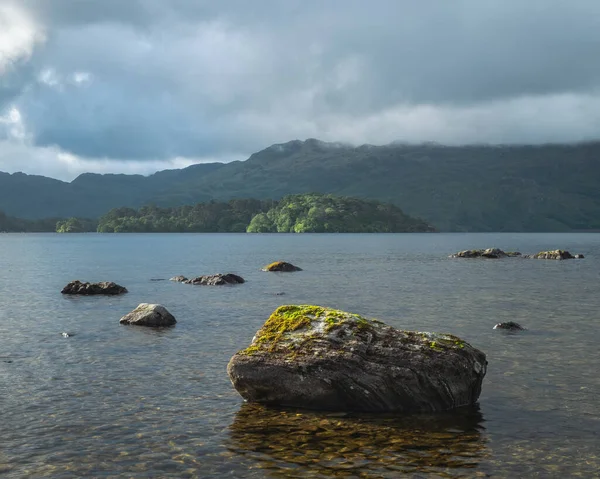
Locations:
(322, 358)
(281, 266)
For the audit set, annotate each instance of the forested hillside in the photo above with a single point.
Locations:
(463, 188)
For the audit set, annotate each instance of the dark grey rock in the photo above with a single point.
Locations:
(216, 279)
(154, 315)
(509, 326)
(324, 359)
(104, 287)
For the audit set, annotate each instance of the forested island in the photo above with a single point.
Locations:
(307, 213)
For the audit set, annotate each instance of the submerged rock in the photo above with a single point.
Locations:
(509, 326)
(556, 254)
(104, 287)
(179, 279)
(216, 279)
(321, 358)
(281, 266)
(146, 314)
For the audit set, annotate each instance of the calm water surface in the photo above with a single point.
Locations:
(118, 401)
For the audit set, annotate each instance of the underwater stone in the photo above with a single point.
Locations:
(325, 359)
(510, 326)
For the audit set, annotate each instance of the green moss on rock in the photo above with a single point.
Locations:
(309, 320)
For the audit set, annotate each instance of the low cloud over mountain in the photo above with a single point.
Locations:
(143, 85)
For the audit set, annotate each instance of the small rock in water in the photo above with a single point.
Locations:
(104, 287)
(216, 279)
(179, 279)
(281, 266)
(558, 254)
(145, 314)
(509, 326)
(157, 279)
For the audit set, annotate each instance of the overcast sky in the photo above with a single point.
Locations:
(142, 85)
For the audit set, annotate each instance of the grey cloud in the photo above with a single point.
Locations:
(187, 78)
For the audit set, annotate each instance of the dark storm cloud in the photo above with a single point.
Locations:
(158, 79)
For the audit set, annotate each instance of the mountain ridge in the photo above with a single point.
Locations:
(551, 187)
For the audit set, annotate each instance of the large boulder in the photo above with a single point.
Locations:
(325, 359)
(146, 314)
(281, 266)
(104, 287)
(216, 279)
(555, 254)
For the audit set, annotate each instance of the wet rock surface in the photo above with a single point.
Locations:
(281, 266)
(320, 358)
(153, 315)
(104, 287)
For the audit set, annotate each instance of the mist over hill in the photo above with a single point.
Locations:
(455, 188)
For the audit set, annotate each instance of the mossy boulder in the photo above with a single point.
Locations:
(281, 266)
(325, 359)
(104, 287)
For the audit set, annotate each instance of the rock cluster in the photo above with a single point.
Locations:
(498, 253)
(104, 287)
(321, 358)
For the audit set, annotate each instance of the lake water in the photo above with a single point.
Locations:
(122, 401)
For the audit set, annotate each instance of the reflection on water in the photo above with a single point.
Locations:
(331, 445)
